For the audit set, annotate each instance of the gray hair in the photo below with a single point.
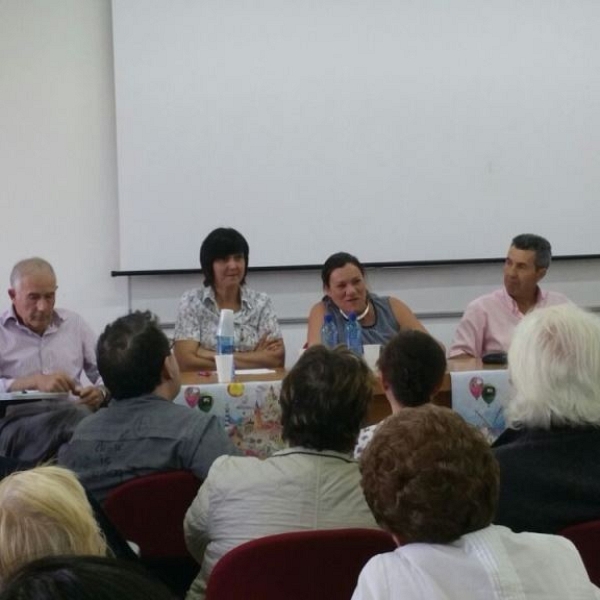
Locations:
(541, 247)
(28, 266)
(554, 366)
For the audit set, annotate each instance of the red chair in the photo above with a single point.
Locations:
(586, 537)
(149, 511)
(322, 564)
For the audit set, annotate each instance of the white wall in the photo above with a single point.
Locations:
(58, 177)
(333, 111)
(58, 183)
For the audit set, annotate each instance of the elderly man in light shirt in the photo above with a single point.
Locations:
(488, 322)
(41, 347)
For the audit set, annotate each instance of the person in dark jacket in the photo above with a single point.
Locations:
(550, 455)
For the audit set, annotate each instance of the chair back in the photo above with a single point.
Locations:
(298, 565)
(149, 511)
(586, 537)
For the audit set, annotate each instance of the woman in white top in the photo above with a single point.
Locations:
(432, 481)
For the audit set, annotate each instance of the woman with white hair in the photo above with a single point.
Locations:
(550, 455)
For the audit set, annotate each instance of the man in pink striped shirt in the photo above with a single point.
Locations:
(41, 347)
(488, 322)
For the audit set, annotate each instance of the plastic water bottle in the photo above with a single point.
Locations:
(353, 334)
(225, 332)
(329, 333)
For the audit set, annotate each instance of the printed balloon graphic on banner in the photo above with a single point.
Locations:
(206, 403)
(488, 393)
(476, 387)
(192, 395)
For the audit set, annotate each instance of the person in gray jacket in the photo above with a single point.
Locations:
(141, 431)
(313, 484)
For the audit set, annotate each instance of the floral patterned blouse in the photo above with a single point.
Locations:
(198, 319)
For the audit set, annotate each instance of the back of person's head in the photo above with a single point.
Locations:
(337, 261)
(83, 578)
(429, 477)
(324, 399)
(131, 354)
(554, 366)
(44, 511)
(541, 247)
(29, 266)
(221, 243)
(413, 365)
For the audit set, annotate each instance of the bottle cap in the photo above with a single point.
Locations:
(328, 318)
(352, 316)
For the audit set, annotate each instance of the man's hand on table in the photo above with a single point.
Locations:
(54, 382)
(92, 396)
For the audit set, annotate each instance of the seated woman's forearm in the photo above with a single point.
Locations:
(193, 363)
(258, 359)
(268, 354)
(192, 356)
(315, 322)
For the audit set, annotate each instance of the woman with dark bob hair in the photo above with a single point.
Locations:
(346, 291)
(257, 337)
(83, 578)
(432, 481)
(313, 484)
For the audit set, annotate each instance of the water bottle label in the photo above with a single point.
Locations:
(224, 345)
(353, 337)
(329, 337)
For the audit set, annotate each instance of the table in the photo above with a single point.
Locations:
(249, 406)
(379, 407)
(377, 410)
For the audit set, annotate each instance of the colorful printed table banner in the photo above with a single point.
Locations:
(479, 397)
(249, 412)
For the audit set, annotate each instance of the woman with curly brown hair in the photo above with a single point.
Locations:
(431, 480)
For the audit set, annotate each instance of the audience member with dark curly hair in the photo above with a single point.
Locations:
(83, 578)
(314, 484)
(432, 481)
(411, 367)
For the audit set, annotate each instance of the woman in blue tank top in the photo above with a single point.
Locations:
(346, 291)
